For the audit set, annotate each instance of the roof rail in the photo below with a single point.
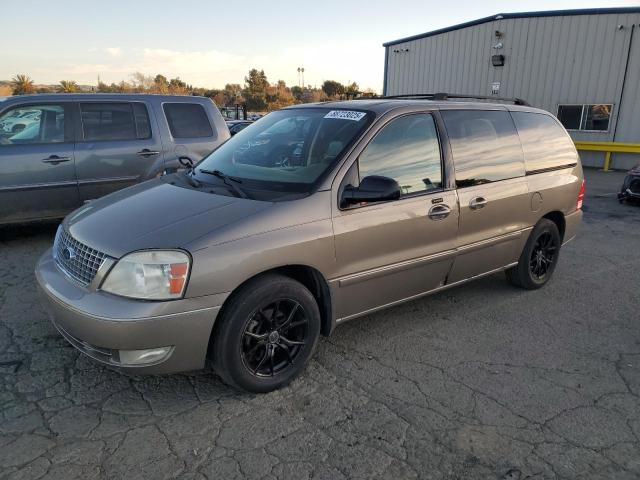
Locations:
(447, 96)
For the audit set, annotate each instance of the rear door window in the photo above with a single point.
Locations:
(485, 146)
(114, 121)
(187, 120)
(545, 143)
(407, 150)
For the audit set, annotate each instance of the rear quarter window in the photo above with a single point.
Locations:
(187, 120)
(485, 146)
(545, 144)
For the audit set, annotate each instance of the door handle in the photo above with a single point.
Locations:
(55, 159)
(147, 153)
(477, 203)
(439, 212)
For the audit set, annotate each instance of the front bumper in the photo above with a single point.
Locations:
(100, 324)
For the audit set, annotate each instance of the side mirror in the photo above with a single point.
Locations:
(373, 188)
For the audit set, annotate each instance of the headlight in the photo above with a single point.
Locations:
(149, 275)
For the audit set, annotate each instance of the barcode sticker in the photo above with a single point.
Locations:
(345, 115)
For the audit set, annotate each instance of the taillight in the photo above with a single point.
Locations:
(580, 196)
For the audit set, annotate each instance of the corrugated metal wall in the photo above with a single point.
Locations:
(548, 61)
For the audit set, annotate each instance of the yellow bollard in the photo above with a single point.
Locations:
(607, 161)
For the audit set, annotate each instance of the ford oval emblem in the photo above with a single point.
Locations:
(68, 253)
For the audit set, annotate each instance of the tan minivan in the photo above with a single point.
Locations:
(314, 215)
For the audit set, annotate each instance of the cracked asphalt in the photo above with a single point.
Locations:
(480, 382)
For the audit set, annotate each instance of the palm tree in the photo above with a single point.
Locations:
(68, 86)
(22, 84)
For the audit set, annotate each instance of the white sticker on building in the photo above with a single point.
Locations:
(345, 115)
(495, 88)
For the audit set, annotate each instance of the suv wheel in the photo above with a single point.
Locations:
(539, 257)
(266, 335)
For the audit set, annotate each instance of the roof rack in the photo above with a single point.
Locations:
(447, 96)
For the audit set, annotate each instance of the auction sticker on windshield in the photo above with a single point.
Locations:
(345, 115)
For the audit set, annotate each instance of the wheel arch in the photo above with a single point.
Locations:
(557, 217)
(308, 276)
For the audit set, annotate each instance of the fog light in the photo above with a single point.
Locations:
(144, 357)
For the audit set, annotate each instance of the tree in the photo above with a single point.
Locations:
(352, 90)
(312, 95)
(178, 87)
(160, 84)
(22, 85)
(255, 91)
(297, 92)
(279, 96)
(369, 93)
(68, 86)
(122, 87)
(232, 94)
(142, 82)
(332, 88)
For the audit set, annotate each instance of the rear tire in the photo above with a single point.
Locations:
(539, 257)
(267, 334)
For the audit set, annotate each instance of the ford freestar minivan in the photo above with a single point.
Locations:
(314, 215)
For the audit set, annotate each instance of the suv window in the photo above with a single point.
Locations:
(544, 142)
(485, 146)
(406, 150)
(187, 120)
(114, 121)
(32, 124)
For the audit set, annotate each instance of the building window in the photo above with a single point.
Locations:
(591, 118)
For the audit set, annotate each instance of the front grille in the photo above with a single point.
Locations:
(76, 259)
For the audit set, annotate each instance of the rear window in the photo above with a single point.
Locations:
(114, 121)
(485, 146)
(545, 143)
(187, 120)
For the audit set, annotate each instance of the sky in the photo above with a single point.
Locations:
(209, 43)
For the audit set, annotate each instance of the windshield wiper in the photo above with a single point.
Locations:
(224, 178)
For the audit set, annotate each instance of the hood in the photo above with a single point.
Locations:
(155, 214)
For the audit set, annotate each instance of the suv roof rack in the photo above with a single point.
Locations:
(447, 96)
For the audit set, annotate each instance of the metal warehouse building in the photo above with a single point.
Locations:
(582, 65)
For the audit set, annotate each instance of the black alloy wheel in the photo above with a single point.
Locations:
(543, 256)
(539, 257)
(266, 333)
(273, 337)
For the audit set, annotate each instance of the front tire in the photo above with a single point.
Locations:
(267, 334)
(539, 257)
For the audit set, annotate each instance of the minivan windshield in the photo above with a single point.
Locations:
(287, 151)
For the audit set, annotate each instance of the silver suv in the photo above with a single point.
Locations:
(59, 151)
(310, 217)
